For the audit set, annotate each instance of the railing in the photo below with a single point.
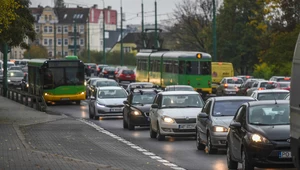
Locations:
(36, 102)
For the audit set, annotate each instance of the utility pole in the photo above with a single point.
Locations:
(214, 32)
(156, 36)
(143, 16)
(5, 70)
(62, 41)
(54, 40)
(89, 53)
(122, 62)
(75, 38)
(103, 44)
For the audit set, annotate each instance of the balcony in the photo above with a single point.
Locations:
(72, 47)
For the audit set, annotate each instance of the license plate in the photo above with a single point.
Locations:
(110, 76)
(116, 110)
(186, 126)
(285, 154)
(64, 99)
(128, 76)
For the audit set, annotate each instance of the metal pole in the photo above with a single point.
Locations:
(54, 40)
(89, 53)
(143, 16)
(62, 41)
(156, 37)
(214, 32)
(103, 25)
(75, 38)
(5, 70)
(122, 62)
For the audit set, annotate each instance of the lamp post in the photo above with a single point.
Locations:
(156, 37)
(89, 52)
(75, 37)
(54, 22)
(214, 32)
(121, 9)
(103, 32)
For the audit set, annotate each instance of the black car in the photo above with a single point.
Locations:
(24, 83)
(137, 107)
(108, 72)
(259, 136)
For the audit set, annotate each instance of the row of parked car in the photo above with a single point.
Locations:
(16, 75)
(253, 130)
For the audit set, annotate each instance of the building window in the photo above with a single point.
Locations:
(127, 49)
(50, 53)
(50, 17)
(81, 28)
(45, 41)
(45, 29)
(66, 53)
(59, 41)
(66, 41)
(37, 41)
(59, 53)
(37, 28)
(59, 29)
(20, 54)
(66, 29)
(81, 41)
(50, 29)
(50, 42)
(46, 17)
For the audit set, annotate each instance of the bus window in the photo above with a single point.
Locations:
(181, 67)
(205, 68)
(192, 67)
(48, 79)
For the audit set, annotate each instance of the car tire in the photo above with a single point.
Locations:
(125, 125)
(152, 133)
(90, 115)
(231, 164)
(199, 145)
(96, 117)
(130, 126)
(209, 146)
(246, 164)
(160, 137)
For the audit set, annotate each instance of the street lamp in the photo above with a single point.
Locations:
(75, 37)
(121, 10)
(54, 22)
(214, 32)
(103, 33)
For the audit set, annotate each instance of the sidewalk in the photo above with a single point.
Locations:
(30, 139)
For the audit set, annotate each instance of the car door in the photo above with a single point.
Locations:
(253, 88)
(236, 137)
(127, 108)
(154, 112)
(92, 102)
(203, 122)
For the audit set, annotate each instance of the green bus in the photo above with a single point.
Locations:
(57, 80)
(175, 68)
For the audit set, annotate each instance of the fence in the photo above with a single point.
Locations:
(36, 102)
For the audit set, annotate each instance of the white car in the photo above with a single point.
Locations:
(272, 94)
(174, 113)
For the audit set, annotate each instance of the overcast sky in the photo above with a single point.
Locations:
(131, 8)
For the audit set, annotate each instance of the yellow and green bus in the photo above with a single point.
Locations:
(57, 80)
(175, 68)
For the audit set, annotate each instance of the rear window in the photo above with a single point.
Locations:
(272, 96)
(110, 68)
(106, 83)
(286, 79)
(284, 84)
(235, 81)
(128, 72)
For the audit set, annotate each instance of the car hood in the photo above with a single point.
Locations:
(221, 121)
(142, 108)
(15, 78)
(112, 101)
(276, 132)
(181, 112)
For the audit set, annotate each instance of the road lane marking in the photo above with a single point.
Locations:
(133, 146)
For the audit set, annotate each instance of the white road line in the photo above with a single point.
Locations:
(144, 151)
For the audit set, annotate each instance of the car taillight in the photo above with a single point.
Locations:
(89, 66)
(105, 72)
(225, 85)
(260, 88)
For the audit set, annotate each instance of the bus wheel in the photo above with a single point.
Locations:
(78, 102)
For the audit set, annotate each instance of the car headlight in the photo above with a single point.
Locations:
(100, 105)
(258, 138)
(8, 80)
(85, 83)
(220, 129)
(168, 120)
(27, 85)
(136, 113)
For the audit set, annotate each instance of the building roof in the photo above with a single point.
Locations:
(113, 38)
(68, 15)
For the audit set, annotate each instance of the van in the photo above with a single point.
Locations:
(219, 70)
(295, 106)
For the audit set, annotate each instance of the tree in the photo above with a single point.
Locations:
(36, 51)
(8, 13)
(20, 28)
(59, 4)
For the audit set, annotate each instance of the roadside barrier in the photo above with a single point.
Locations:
(23, 97)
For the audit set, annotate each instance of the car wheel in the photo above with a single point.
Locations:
(199, 145)
(95, 117)
(160, 137)
(231, 164)
(130, 126)
(246, 164)
(152, 133)
(125, 125)
(209, 146)
(90, 115)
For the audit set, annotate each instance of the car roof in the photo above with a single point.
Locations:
(226, 98)
(267, 102)
(178, 86)
(98, 78)
(15, 71)
(144, 90)
(107, 80)
(178, 92)
(271, 90)
(137, 83)
(110, 88)
(233, 78)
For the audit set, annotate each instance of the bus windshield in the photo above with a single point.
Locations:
(54, 77)
(195, 67)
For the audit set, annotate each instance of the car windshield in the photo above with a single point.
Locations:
(272, 96)
(266, 84)
(15, 68)
(235, 81)
(227, 108)
(145, 98)
(277, 114)
(10, 65)
(115, 93)
(174, 88)
(182, 101)
(109, 68)
(141, 85)
(128, 72)
(106, 83)
(15, 74)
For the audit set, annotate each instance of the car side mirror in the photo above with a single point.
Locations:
(235, 125)
(203, 115)
(154, 105)
(125, 102)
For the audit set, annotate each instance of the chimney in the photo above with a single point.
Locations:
(95, 6)
(109, 7)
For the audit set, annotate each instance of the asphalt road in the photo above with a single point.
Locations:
(181, 151)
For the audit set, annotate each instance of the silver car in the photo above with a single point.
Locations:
(14, 78)
(213, 122)
(229, 86)
(271, 94)
(107, 101)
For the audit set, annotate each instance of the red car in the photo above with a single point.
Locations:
(125, 75)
